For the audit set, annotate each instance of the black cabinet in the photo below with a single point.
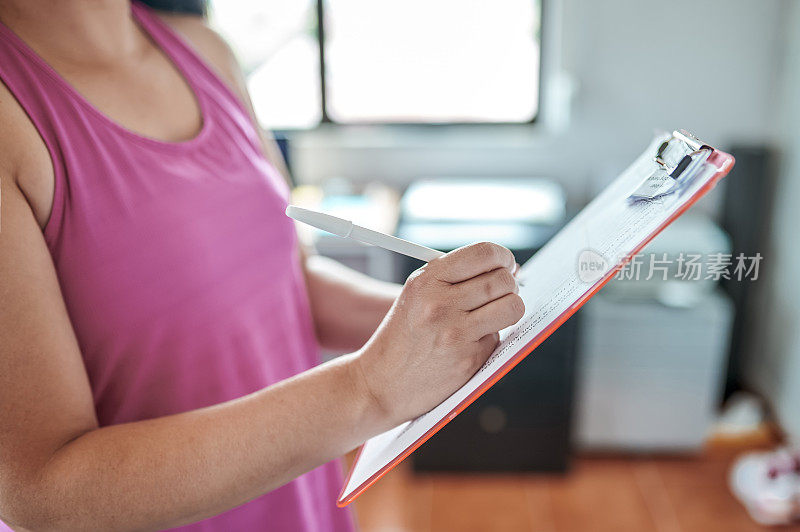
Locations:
(522, 423)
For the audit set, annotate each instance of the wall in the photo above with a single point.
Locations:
(635, 66)
(774, 362)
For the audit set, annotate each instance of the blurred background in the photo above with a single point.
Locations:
(453, 121)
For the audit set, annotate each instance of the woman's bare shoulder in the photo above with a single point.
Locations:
(211, 47)
(24, 159)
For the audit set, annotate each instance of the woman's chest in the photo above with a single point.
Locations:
(185, 239)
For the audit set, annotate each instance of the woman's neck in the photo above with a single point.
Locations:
(79, 32)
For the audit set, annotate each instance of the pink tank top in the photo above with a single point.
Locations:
(177, 264)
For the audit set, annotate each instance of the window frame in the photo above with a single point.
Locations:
(326, 120)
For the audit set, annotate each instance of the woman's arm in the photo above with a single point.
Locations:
(347, 306)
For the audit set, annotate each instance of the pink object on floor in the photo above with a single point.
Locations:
(768, 485)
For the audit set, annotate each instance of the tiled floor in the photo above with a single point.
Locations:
(599, 494)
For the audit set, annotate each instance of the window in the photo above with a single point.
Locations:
(386, 61)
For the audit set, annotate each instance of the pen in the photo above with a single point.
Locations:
(347, 229)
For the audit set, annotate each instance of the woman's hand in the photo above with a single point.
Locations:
(440, 330)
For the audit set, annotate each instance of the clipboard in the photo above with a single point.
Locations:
(669, 177)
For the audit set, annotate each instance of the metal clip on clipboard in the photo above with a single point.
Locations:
(677, 161)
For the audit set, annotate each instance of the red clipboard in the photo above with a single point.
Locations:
(715, 165)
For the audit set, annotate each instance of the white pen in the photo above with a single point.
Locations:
(347, 229)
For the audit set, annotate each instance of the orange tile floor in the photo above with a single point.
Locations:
(599, 494)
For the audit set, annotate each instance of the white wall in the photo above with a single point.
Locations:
(637, 65)
(774, 361)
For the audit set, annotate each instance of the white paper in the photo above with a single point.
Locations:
(562, 273)
(657, 184)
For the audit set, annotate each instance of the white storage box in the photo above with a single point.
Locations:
(650, 376)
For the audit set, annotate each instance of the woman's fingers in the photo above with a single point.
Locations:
(495, 315)
(476, 292)
(470, 261)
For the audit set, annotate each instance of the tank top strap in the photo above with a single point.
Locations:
(31, 82)
(195, 69)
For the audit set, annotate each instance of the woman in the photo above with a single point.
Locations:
(159, 325)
